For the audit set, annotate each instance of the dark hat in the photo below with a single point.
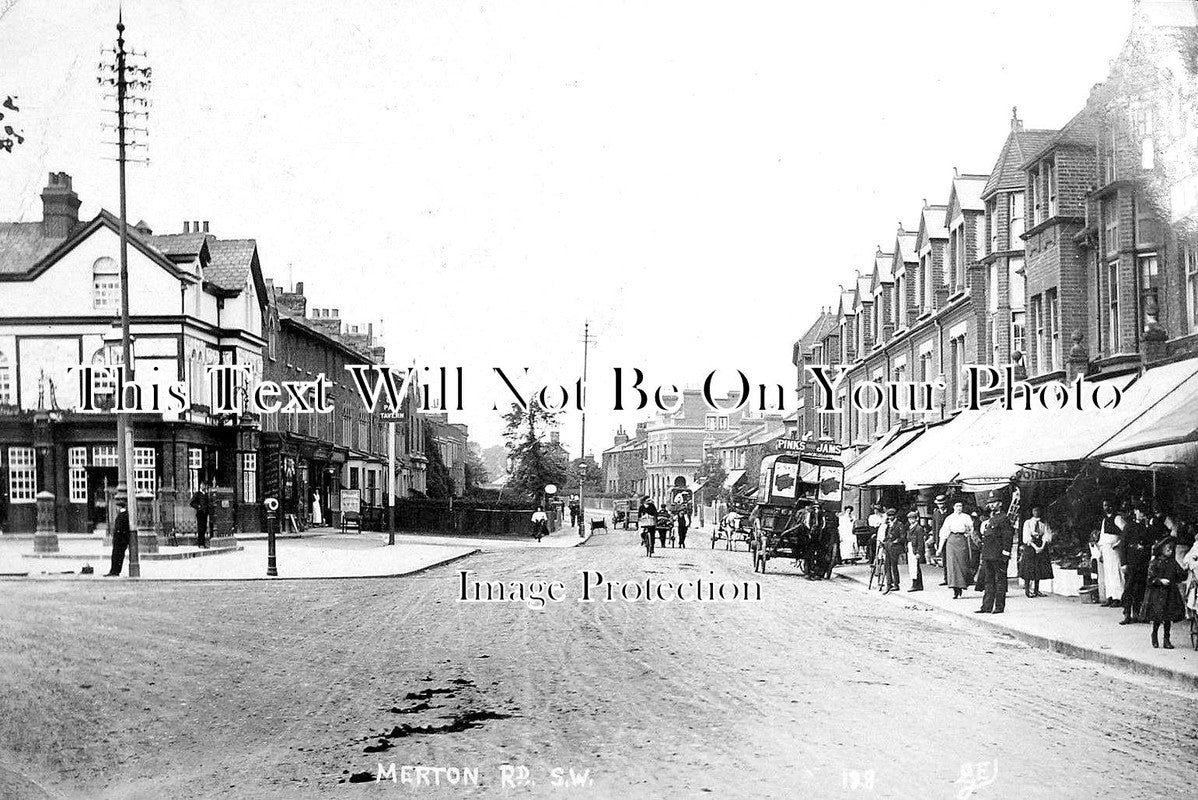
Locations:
(994, 497)
(912, 515)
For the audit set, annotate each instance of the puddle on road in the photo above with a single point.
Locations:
(461, 710)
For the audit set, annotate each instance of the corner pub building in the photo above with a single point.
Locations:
(194, 300)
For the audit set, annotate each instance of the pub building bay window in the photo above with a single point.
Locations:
(249, 477)
(77, 474)
(195, 463)
(22, 475)
(145, 477)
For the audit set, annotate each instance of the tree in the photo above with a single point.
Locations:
(476, 470)
(439, 481)
(591, 473)
(534, 463)
(712, 474)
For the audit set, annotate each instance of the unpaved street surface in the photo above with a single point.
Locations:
(119, 690)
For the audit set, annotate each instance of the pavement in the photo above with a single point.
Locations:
(297, 689)
(319, 553)
(1055, 622)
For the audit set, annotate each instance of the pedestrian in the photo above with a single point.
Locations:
(1163, 603)
(893, 536)
(684, 523)
(998, 537)
(1190, 564)
(917, 535)
(574, 508)
(540, 523)
(201, 501)
(1110, 554)
(1137, 553)
(120, 538)
(1035, 564)
(876, 518)
(954, 548)
(848, 542)
(862, 532)
(940, 513)
(664, 523)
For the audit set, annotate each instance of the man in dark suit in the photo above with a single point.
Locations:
(120, 539)
(939, 514)
(998, 538)
(917, 535)
(201, 501)
(1137, 552)
(895, 542)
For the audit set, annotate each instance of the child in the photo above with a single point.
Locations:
(1163, 603)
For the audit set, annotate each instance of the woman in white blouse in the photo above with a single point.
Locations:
(954, 548)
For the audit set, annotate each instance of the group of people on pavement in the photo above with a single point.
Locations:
(201, 503)
(654, 521)
(1136, 547)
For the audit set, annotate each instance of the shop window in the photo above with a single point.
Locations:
(22, 475)
(249, 477)
(145, 474)
(372, 488)
(77, 474)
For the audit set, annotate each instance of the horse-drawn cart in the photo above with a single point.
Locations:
(624, 514)
(798, 498)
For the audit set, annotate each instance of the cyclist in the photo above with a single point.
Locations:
(647, 515)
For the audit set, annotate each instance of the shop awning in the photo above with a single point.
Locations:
(1167, 430)
(928, 460)
(733, 478)
(871, 462)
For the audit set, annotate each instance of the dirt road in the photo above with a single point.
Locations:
(817, 690)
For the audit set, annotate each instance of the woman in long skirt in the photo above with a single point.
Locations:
(954, 549)
(1163, 603)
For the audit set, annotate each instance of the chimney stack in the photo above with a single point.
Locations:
(60, 206)
(186, 226)
(195, 226)
(205, 226)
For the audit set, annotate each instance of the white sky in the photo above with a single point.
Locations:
(695, 178)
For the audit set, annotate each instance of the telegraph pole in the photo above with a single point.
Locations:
(124, 431)
(582, 466)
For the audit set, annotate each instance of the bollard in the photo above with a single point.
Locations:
(147, 539)
(272, 520)
(45, 540)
